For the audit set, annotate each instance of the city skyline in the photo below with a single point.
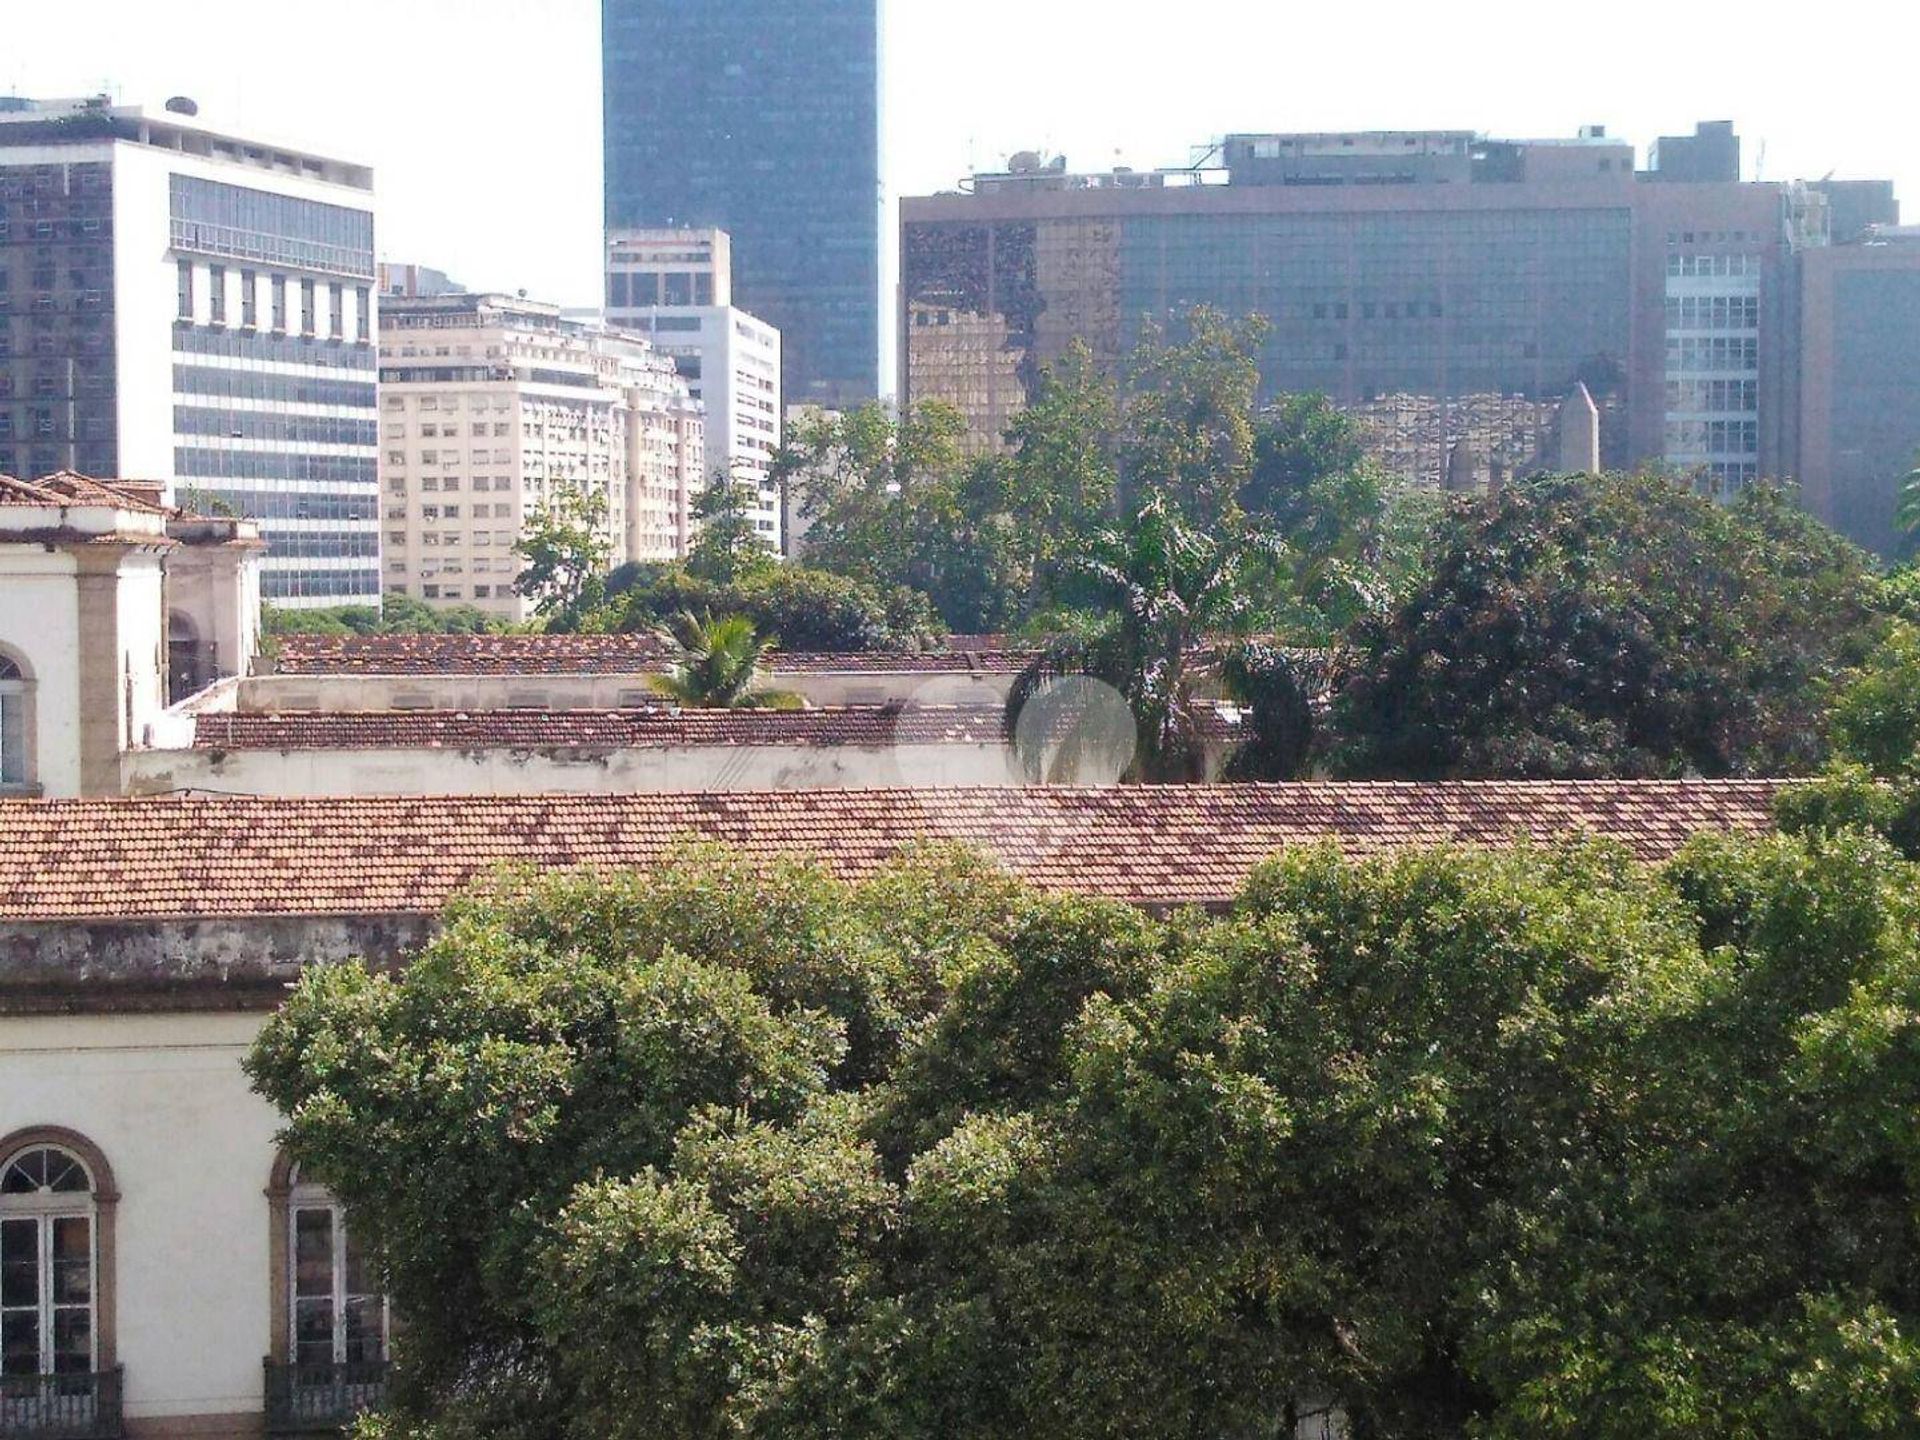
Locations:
(958, 94)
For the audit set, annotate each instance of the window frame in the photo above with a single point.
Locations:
(18, 689)
(99, 1204)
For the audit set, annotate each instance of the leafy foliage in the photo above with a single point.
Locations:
(728, 545)
(564, 552)
(1535, 1143)
(721, 663)
(1610, 625)
(800, 607)
(397, 615)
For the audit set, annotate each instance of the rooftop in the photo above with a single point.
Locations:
(196, 859)
(659, 727)
(579, 655)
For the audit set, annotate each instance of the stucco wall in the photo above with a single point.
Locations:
(192, 1150)
(40, 623)
(545, 771)
(268, 694)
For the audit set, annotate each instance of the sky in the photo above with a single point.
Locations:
(482, 117)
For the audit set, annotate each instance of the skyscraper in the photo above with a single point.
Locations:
(195, 307)
(761, 118)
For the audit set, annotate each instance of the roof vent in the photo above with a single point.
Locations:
(183, 105)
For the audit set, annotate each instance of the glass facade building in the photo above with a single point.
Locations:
(760, 117)
(193, 308)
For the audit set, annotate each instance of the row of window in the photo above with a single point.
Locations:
(1712, 266)
(190, 463)
(275, 349)
(286, 389)
(213, 218)
(1687, 355)
(268, 425)
(1708, 396)
(249, 315)
(292, 504)
(1713, 437)
(348, 587)
(1713, 312)
(50, 1291)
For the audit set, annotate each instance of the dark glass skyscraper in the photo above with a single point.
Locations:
(761, 117)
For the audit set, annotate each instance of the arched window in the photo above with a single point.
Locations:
(16, 702)
(57, 1203)
(338, 1316)
(47, 1264)
(331, 1325)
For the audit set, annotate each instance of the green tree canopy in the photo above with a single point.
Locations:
(565, 551)
(1531, 1143)
(1609, 625)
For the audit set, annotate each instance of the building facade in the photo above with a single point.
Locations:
(1859, 381)
(195, 308)
(494, 408)
(762, 118)
(674, 288)
(1448, 290)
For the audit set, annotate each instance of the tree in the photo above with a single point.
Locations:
(894, 502)
(397, 614)
(728, 545)
(1609, 625)
(721, 662)
(1539, 1142)
(1907, 514)
(1164, 588)
(565, 551)
(1060, 478)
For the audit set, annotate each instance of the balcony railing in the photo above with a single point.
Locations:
(306, 1398)
(60, 1407)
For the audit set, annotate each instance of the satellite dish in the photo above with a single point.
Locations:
(183, 105)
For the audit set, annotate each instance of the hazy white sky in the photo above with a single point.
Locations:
(482, 116)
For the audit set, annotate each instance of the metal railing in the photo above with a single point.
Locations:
(61, 1407)
(304, 1398)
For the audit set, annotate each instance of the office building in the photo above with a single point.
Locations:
(1449, 290)
(674, 288)
(761, 118)
(196, 308)
(1859, 381)
(492, 409)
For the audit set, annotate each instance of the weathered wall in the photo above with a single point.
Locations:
(191, 1149)
(501, 771)
(39, 625)
(267, 694)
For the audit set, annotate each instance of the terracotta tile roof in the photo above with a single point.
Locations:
(659, 728)
(579, 655)
(67, 487)
(187, 858)
(468, 654)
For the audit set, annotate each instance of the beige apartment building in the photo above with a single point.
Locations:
(493, 408)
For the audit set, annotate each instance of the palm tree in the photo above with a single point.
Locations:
(1169, 587)
(719, 662)
(1907, 517)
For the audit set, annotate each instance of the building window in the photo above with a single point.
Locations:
(363, 310)
(16, 720)
(280, 303)
(306, 307)
(46, 1259)
(186, 290)
(337, 312)
(330, 1322)
(56, 1255)
(249, 299)
(217, 294)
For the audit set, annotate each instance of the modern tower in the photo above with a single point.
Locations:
(193, 307)
(761, 118)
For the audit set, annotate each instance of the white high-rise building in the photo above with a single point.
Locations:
(675, 287)
(194, 307)
(493, 408)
